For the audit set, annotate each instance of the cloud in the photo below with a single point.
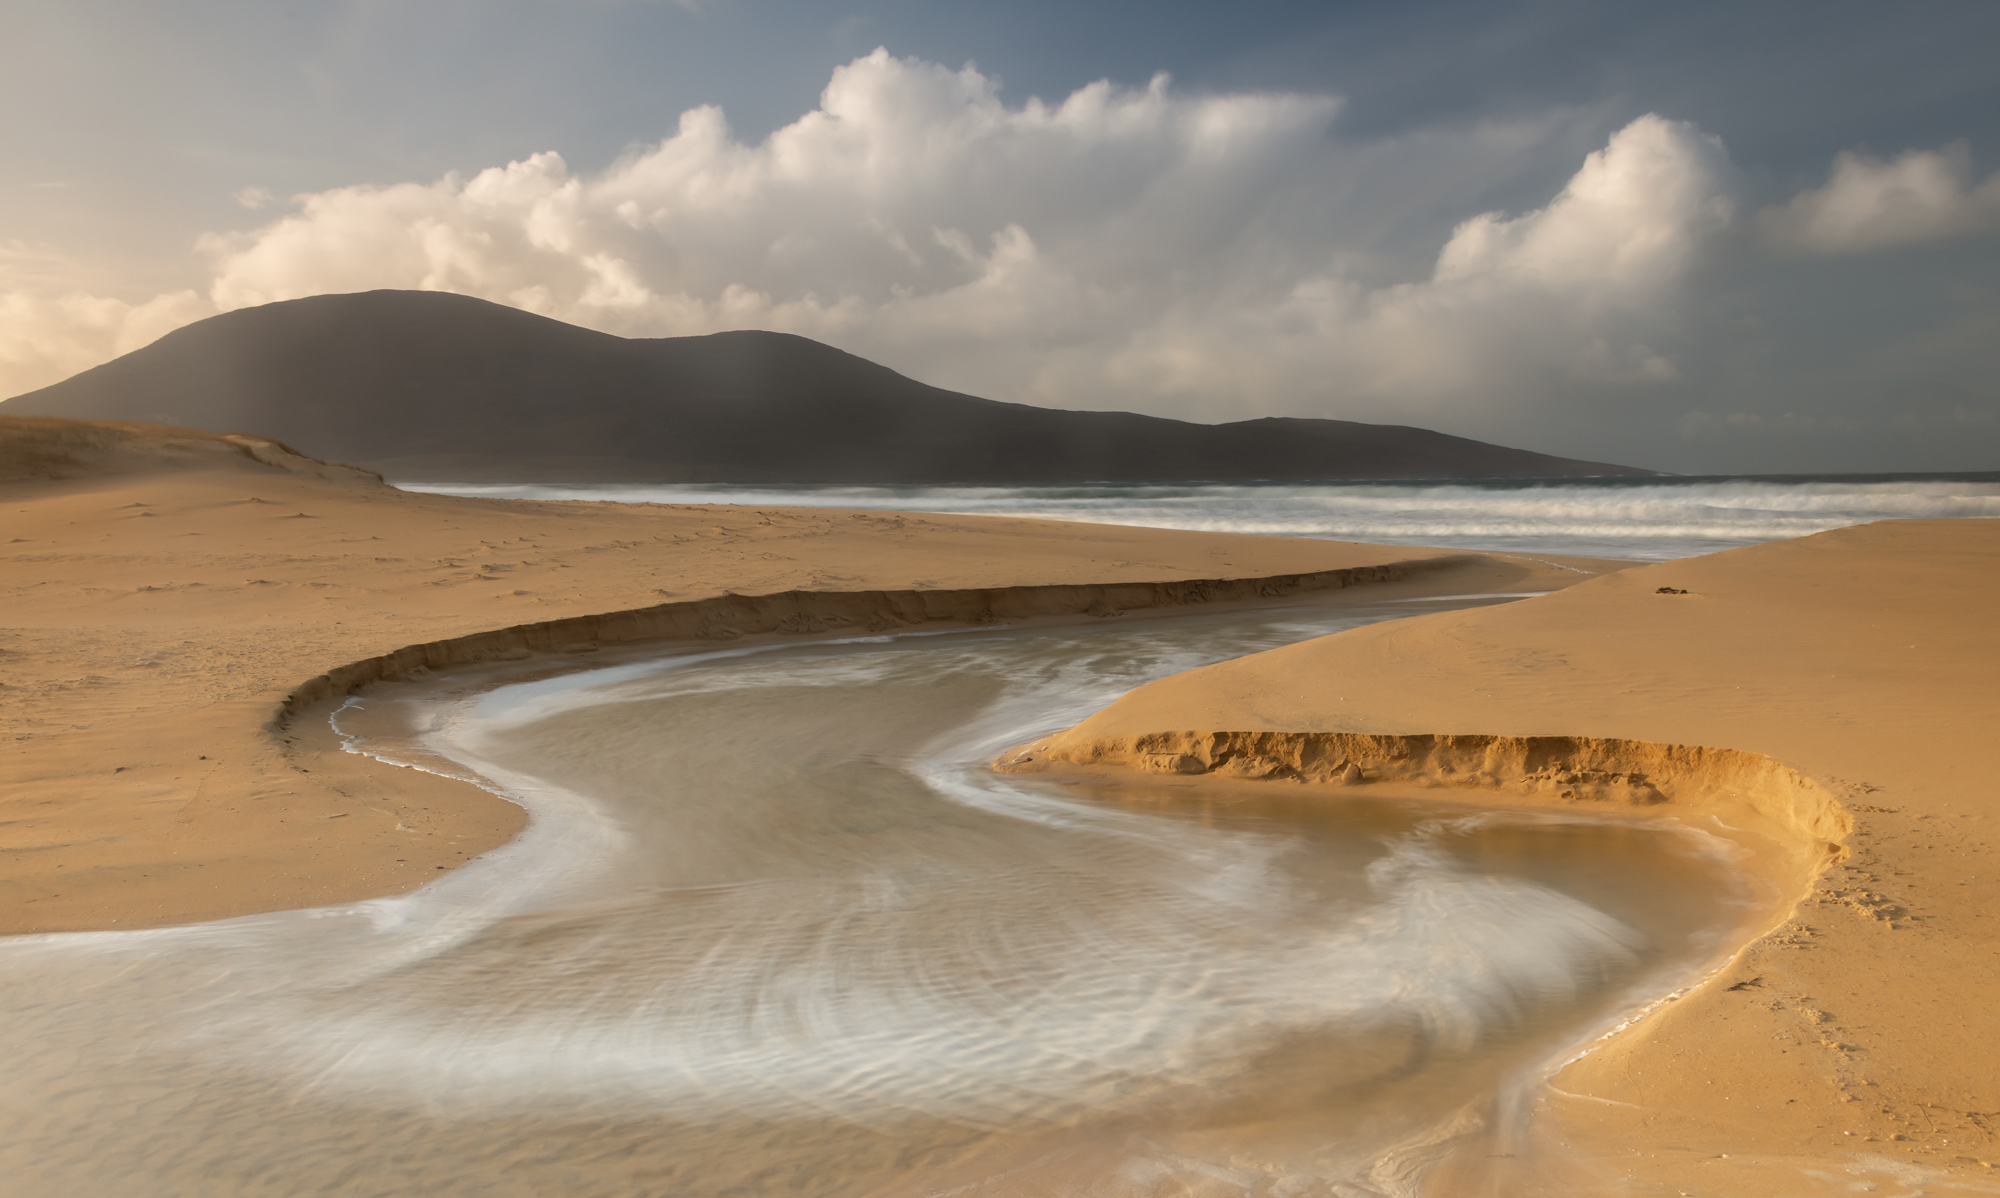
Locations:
(1130, 248)
(1871, 204)
(50, 330)
(1516, 309)
(1209, 256)
(44, 340)
(909, 181)
(1577, 287)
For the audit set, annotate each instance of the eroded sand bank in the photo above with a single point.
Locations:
(1840, 688)
(170, 595)
(776, 929)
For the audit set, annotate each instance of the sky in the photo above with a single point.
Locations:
(1698, 237)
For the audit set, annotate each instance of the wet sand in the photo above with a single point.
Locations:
(1852, 1046)
(775, 926)
(169, 591)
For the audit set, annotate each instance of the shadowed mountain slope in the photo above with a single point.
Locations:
(441, 387)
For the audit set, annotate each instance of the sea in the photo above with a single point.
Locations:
(775, 927)
(1643, 519)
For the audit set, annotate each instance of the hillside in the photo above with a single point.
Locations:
(441, 387)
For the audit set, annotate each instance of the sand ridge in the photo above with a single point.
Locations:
(168, 592)
(1857, 1039)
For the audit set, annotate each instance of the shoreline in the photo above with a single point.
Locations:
(1421, 802)
(797, 614)
(1844, 672)
(172, 592)
(332, 1000)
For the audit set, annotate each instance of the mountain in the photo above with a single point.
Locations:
(431, 386)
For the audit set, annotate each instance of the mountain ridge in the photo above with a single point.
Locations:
(433, 386)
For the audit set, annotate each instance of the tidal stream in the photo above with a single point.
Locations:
(775, 928)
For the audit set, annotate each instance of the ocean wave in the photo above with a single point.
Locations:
(1651, 519)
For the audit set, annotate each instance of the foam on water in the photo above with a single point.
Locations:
(1022, 991)
(770, 894)
(1648, 519)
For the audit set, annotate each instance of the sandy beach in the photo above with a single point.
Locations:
(1851, 674)
(172, 595)
(185, 607)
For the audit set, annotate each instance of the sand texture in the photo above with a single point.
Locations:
(174, 599)
(1838, 691)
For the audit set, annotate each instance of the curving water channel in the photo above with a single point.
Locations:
(776, 929)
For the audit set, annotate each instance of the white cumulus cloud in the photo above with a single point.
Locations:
(1868, 203)
(1569, 294)
(49, 331)
(1213, 256)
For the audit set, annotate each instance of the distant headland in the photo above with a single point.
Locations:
(433, 386)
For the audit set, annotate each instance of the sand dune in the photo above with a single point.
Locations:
(1840, 689)
(175, 595)
(428, 386)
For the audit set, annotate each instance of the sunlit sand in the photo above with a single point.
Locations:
(1624, 883)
